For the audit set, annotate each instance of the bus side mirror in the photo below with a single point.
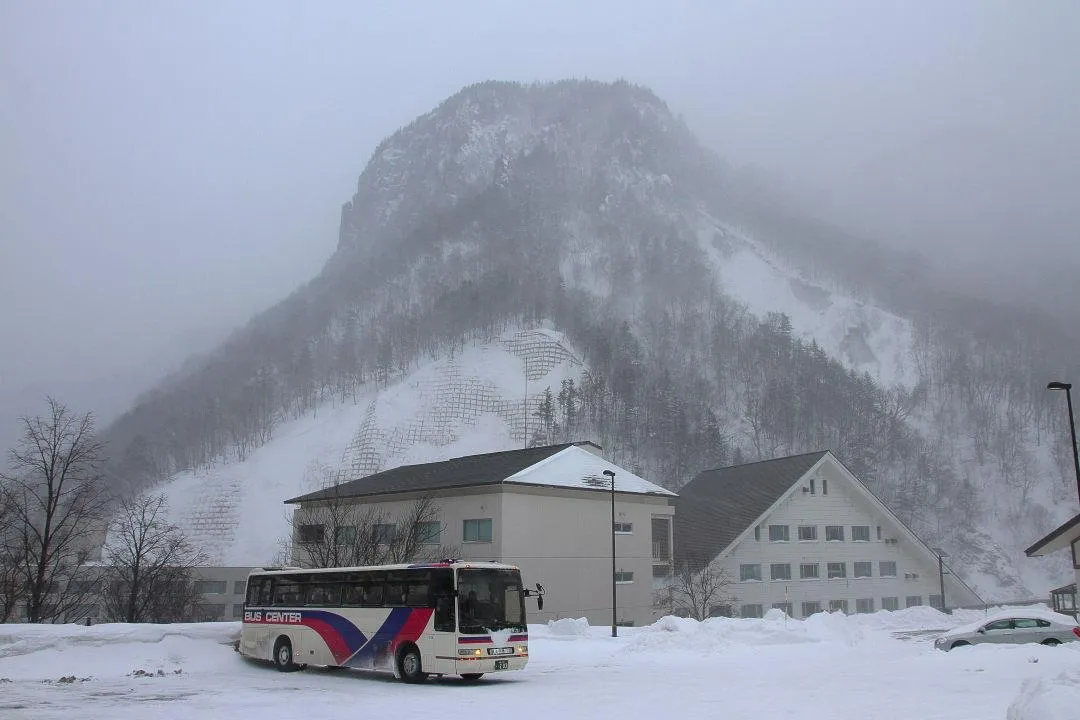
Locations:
(540, 602)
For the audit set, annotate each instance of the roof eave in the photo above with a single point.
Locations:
(1050, 543)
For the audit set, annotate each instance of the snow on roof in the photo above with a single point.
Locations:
(576, 467)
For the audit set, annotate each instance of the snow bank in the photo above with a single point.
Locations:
(714, 634)
(1040, 698)
(568, 627)
(110, 649)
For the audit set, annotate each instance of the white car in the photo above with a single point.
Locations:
(1034, 626)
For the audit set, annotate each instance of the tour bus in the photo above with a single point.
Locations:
(442, 618)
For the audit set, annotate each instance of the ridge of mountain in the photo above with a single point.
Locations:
(680, 320)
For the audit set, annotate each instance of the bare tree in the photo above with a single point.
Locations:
(58, 503)
(149, 565)
(342, 531)
(11, 577)
(698, 587)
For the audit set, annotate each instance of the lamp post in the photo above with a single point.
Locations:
(1067, 387)
(614, 628)
(941, 555)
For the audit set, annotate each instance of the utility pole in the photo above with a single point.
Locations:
(614, 625)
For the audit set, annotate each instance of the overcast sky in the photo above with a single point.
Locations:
(169, 168)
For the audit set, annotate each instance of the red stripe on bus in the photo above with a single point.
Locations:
(467, 640)
(337, 645)
(518, 638)
(414, 625)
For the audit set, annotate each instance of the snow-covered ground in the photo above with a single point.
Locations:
(829, 666)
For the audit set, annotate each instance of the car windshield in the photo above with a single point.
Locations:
(490, 600)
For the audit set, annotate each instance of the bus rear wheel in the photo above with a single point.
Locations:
(410, 667)
(283, 655)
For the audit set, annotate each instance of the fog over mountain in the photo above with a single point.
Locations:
(874, 202)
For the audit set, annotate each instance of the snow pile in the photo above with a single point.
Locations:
(716, 634)
(568, 627)
(1042, 698)
(41, 652)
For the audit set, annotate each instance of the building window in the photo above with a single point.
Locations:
(624, 528)
(812, 491)
(809, 571)
(240, 587)
(757, 533)
(477, 530)
(834, 532)
(780, 571)
(719, 611)
(935, 602)
(890, 603)
(212, 613)
(878, 532)
(345, 535)
(384, 533)
(308, 534)
(207, 587)
(238, 611)
(838, 605)
(913, 601)
(860, 533)
(749, 572)
(751, 611)
(807, 532)
(864, 605)
(624, 577)
(864, 569)
(824, 486)
(887, 568)
(811, 607)
(779, 533)
(785, 606)
(837, 570)
(429, 532)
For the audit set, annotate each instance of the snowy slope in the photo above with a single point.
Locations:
(862, 336)
(473, 402)
(829, 666)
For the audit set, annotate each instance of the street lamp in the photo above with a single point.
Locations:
(941, 555)
(614, 627)
(1067, 387)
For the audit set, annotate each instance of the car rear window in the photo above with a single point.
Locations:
(1025, 623)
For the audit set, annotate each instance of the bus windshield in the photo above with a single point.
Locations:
(490, 600)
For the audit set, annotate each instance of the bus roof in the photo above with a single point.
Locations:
(290, 570)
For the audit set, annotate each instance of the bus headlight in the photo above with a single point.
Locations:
(523, 650)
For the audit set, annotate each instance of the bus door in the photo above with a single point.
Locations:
(444, 622)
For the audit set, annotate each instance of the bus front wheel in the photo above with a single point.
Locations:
(410, 667)
(283, 655)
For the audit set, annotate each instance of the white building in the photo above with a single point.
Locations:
(803, 534)
(1064, 599)
(546, 509)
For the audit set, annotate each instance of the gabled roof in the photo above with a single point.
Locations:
(718, 505)
(565, 465)
(1059, 539)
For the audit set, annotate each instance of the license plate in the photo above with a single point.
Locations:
(501, 651)
(502, 664)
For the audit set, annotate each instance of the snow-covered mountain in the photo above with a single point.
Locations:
(573, 244)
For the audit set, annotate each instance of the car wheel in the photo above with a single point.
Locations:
(1051, 642)
(409, 665)
(283, 655)
(959, 643)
